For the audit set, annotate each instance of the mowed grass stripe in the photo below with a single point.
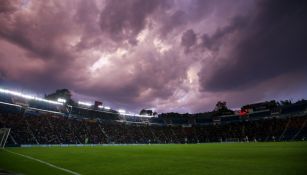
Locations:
(45, 163)
(21, 165)
(248, 158)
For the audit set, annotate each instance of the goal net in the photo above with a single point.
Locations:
(232, 140)
(4, 134)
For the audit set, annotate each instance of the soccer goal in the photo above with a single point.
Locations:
(4, 135)
(232, 140)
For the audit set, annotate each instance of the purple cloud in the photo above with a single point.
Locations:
(172, 55)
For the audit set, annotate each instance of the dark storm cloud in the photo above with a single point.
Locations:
(123, 20)
(7, 6)
(188, 39)
(2, 75)
(272, 44)
(148, 53)
(214, 42)
(172, 21)
(146, 81)
(37, 34)
(54, 51)
(200, 8)
(33, 44)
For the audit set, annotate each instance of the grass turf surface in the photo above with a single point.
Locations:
(235, 158)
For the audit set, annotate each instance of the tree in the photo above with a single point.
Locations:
(222, 109)
(220, 106)
(61, 93)
(147, 112)
(285, 102)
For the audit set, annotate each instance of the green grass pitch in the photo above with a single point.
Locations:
(234, 158)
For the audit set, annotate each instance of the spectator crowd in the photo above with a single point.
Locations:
(57, 129)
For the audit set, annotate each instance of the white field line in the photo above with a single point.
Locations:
(46, 163)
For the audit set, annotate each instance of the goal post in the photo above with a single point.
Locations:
(4, 135)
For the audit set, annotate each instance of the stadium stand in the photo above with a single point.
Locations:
(40, 122)
(55, 129)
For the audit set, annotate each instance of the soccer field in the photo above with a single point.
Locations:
(233, 158)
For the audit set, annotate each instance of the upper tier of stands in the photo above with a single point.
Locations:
(256, 111)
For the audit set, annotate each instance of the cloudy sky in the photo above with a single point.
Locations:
(173, 55)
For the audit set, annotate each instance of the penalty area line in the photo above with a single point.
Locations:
(43, 162)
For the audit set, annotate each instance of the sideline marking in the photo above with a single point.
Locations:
(43, 162)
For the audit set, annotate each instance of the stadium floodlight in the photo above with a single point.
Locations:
(28, 97)
(84, 103)
(100, 106)
(107, 107)
(144, 116)
(121, 111)
(47, 101)
(61, 100)
(138, 115)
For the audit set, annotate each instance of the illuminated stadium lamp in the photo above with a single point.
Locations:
(61, 100)
(84, 103)
(29, 97)
(47, 101)
(121, 111)
(100, 106)
(107, 107)
(148, 116)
